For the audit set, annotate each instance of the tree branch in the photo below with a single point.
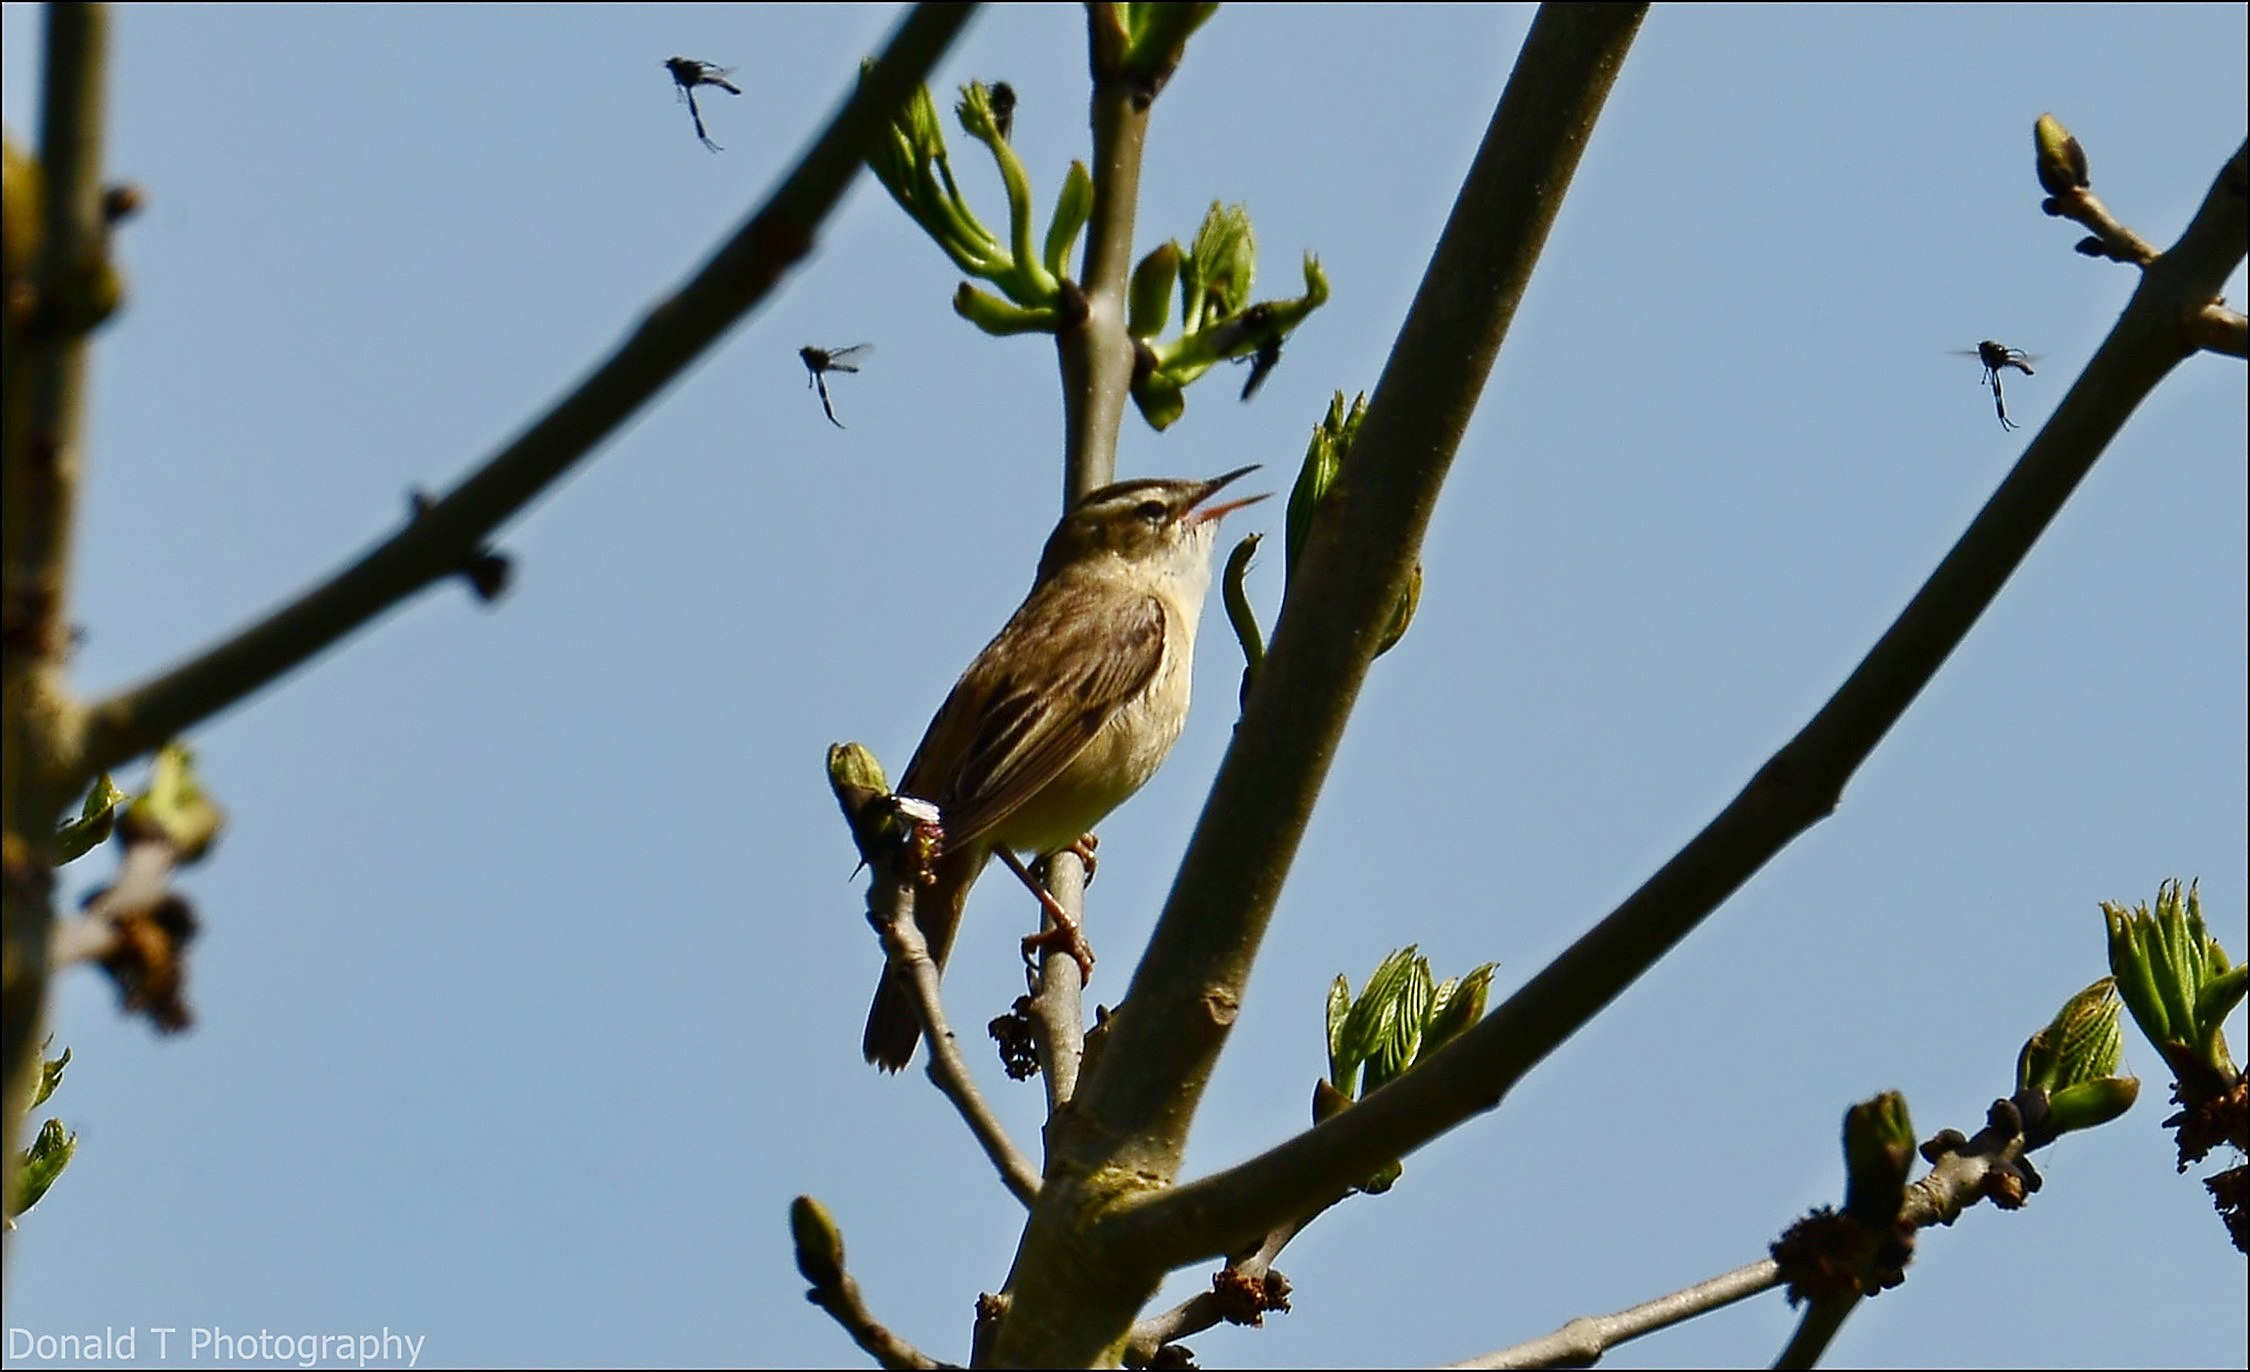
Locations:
(820, 1258)
(1095, 356)
(890, 908)
(43, 398)
(445, 537)
(1075, 1293)
(1795, 789)
(1208, 1309)
(1582, 1342)
(2217, 329)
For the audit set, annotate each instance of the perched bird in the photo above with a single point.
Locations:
(687, 74)
(1067, 712)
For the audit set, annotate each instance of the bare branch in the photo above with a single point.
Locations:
(43, 370)
(820, 1257)
(1582, 1342)
(2217, 329)
(448, 535)
(2111, 239)
(1796, 788)
(1058, 1005)
(890, 907)
(1208, 1309)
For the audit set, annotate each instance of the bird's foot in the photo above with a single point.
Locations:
(1084, 848)
(1066, 936)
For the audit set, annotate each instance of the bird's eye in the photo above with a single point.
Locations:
(1152, 510)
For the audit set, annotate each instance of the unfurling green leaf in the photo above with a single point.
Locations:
(1368, 1022)
(1458, 1004)
(820, 1245)
(1398, 1040)
(2175, 978)
(50, 1075)
(2081, 1043)
(1324, 462)
(1878, 1155)
(2061, 163)
(1150, 298)
(1160, 398)
(175, 807)
(97, 817)
(38, 1166)
(1220, 268)
(2091, 1103)
(1072, 207)
(1339, 1014)
(1244, 620)
(999, 318)
(1325, 458)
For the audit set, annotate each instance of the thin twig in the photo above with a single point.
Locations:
(1058, 1003)
(891, 908)
(728, 286)
(1207, 1309)
(2217, 329)
(2119, 243)
(820, 1258)
(1795, 789)
(1582, 1342)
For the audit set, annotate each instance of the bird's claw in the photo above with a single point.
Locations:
(1066, 936)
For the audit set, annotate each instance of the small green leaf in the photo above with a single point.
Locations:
(2219, 997)
(40, 1164)
(1221, 267)
(1000, 318)
(1400, 1039)
(2081, 1043)
(1072, 208)
(819, 1244)
(2135, 972)
(50, 1077)
(1369, 1020)
(2175, 978)
(1339, 1012)
(175, 807)
(1878, 1156)
(1324, 462)
(2092, 1102)
(1402, 611)
(1459, 1004)
(2061, 163)
(1150, 298)
(97, 817)
(1160, 398)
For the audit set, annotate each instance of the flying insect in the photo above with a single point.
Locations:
(687, 74)
(819, 362)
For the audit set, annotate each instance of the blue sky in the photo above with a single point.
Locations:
(532, 978)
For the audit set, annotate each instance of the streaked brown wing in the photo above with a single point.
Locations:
(1030, 702)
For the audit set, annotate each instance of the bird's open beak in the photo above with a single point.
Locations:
(1200, 513)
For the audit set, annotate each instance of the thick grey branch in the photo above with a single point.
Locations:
(1186, 992)
(728, 286)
